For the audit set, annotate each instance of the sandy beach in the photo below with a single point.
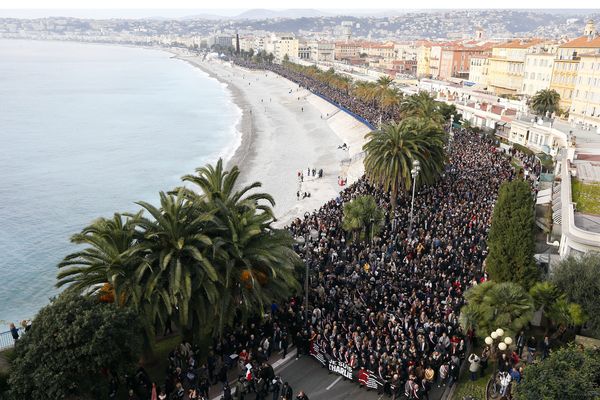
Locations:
(286, 130)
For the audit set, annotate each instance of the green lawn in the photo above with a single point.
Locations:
(587, 196)
(476, 389)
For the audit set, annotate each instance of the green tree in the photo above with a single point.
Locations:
(569, 373)
(112, 256)
(363, 215)
(493, 305)
(421, 105)
(391, 151)
(179, 279)
(70, 344)
(555, 306)
(511, 240)
(579, 279)
(256, 263)
(545, 101)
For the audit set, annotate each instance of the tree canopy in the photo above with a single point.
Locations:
(393, 148)
(363, 215)
(73, 345)
(191, 258)
(492, 305)
(569, 373)
(579, 279)
(545, 101)
(511, 240)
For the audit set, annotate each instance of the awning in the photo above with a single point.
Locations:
(544, 196)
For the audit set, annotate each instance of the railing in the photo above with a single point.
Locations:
(356, 116)
(6, 339)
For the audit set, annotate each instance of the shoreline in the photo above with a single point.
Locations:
(245, 126)
(319, 129)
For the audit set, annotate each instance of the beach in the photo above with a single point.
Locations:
(285, 131)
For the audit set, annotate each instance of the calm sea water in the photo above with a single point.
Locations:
(86, 130)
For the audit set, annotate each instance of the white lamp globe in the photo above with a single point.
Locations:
(502, 346)
(494, 335)
(508, 340)
(500, 331)
(488, 340)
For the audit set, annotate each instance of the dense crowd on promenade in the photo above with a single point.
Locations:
(389, 305)
(392, 304)
(370, 112)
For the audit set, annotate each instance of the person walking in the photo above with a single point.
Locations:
(531, 346)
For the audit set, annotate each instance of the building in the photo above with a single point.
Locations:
(423, 56)
(566, 64)
(321, 50)
(585, 107)
(303, 51)
(507, 66)
(285, 46)
(537, 73)
(347, 50)
(455, 61)
(478, 70)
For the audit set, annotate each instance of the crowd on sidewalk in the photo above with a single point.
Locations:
(370, 112)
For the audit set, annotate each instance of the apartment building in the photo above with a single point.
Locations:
(538, 71)
(478, 70)
(566, 64)
(585, 107)
(507, 66)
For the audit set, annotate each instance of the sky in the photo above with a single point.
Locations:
(182, 8)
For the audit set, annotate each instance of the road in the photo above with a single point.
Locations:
(307, 374)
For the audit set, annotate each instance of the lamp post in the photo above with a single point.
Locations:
(503, 343)
(310, 236)
(414, 173)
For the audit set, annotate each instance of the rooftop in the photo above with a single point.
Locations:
(582, 42)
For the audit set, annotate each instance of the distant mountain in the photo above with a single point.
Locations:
(213, 17)
(259, 13)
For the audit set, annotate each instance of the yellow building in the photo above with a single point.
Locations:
(566, 64)
(423, 56)
(285, 45)
(507, 66)
(585, 107)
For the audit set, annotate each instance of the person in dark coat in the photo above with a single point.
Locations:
(286, 392)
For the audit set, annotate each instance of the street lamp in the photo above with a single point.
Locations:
(312, 235)
(502, 345)
(414, 173)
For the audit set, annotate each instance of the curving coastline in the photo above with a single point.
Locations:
(285, 130)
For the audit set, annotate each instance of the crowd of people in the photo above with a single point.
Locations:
(369, 111)
(391, 305)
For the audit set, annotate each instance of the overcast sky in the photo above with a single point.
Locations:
(181, 8)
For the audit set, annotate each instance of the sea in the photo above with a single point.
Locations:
(87, 130)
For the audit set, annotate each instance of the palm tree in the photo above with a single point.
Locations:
(366, 91)
(179, 279)
(363, 214)
(109, 262)
(391, 151)
(219, 185)
(545, 101)
(255, 262)
(493, 305)
(421, 105)
(555, 306)
(390, 99)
